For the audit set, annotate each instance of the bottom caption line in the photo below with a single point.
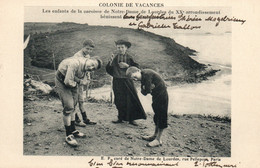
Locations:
(122, 162)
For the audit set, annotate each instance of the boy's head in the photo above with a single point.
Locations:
(93, 63)
(134, 73)
(122, 46)
(88, 46)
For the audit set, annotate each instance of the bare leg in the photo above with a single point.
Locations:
(81, 107)
(73, 115)
(159, 134)
(67, 120)
(151, 138)
(156, 131)
(157, 141)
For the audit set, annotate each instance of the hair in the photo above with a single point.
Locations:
(89, 42)
(99, 61)
(131, 70)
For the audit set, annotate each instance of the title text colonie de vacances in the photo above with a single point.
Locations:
(131, 5)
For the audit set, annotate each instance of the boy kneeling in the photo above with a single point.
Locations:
(152, 82)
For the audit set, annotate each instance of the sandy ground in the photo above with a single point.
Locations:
(186, 135)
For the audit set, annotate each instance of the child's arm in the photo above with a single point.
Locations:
(109, 67)
(70, 77)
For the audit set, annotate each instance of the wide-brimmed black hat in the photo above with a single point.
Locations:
(123, 42)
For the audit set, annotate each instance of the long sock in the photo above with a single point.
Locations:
(68, 131)
(84, 116)
(72, 126)
(77, 118)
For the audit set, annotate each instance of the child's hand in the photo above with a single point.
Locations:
(84, 82)
(123, 65)
(152, 86)
(111, 58)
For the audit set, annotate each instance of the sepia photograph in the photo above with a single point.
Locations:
(101, 87)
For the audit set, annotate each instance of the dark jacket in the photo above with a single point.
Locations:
(150, 77)
(113, 68)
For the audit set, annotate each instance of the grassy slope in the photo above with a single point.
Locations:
(152, 51)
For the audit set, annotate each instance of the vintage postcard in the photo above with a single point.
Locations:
(130, 84)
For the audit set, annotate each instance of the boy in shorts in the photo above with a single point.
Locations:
(152, 82)
(87, 49)
(69, 77)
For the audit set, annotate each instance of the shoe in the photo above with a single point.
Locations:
(88, 122)
(133, 123)
(78, 134)
(71, 141)
(80, 124)
(148, 138)
(117, 121)
(154, 143)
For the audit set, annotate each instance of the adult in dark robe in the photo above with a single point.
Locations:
(126, 99)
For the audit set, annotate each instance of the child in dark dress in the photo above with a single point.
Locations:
(152, 82)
